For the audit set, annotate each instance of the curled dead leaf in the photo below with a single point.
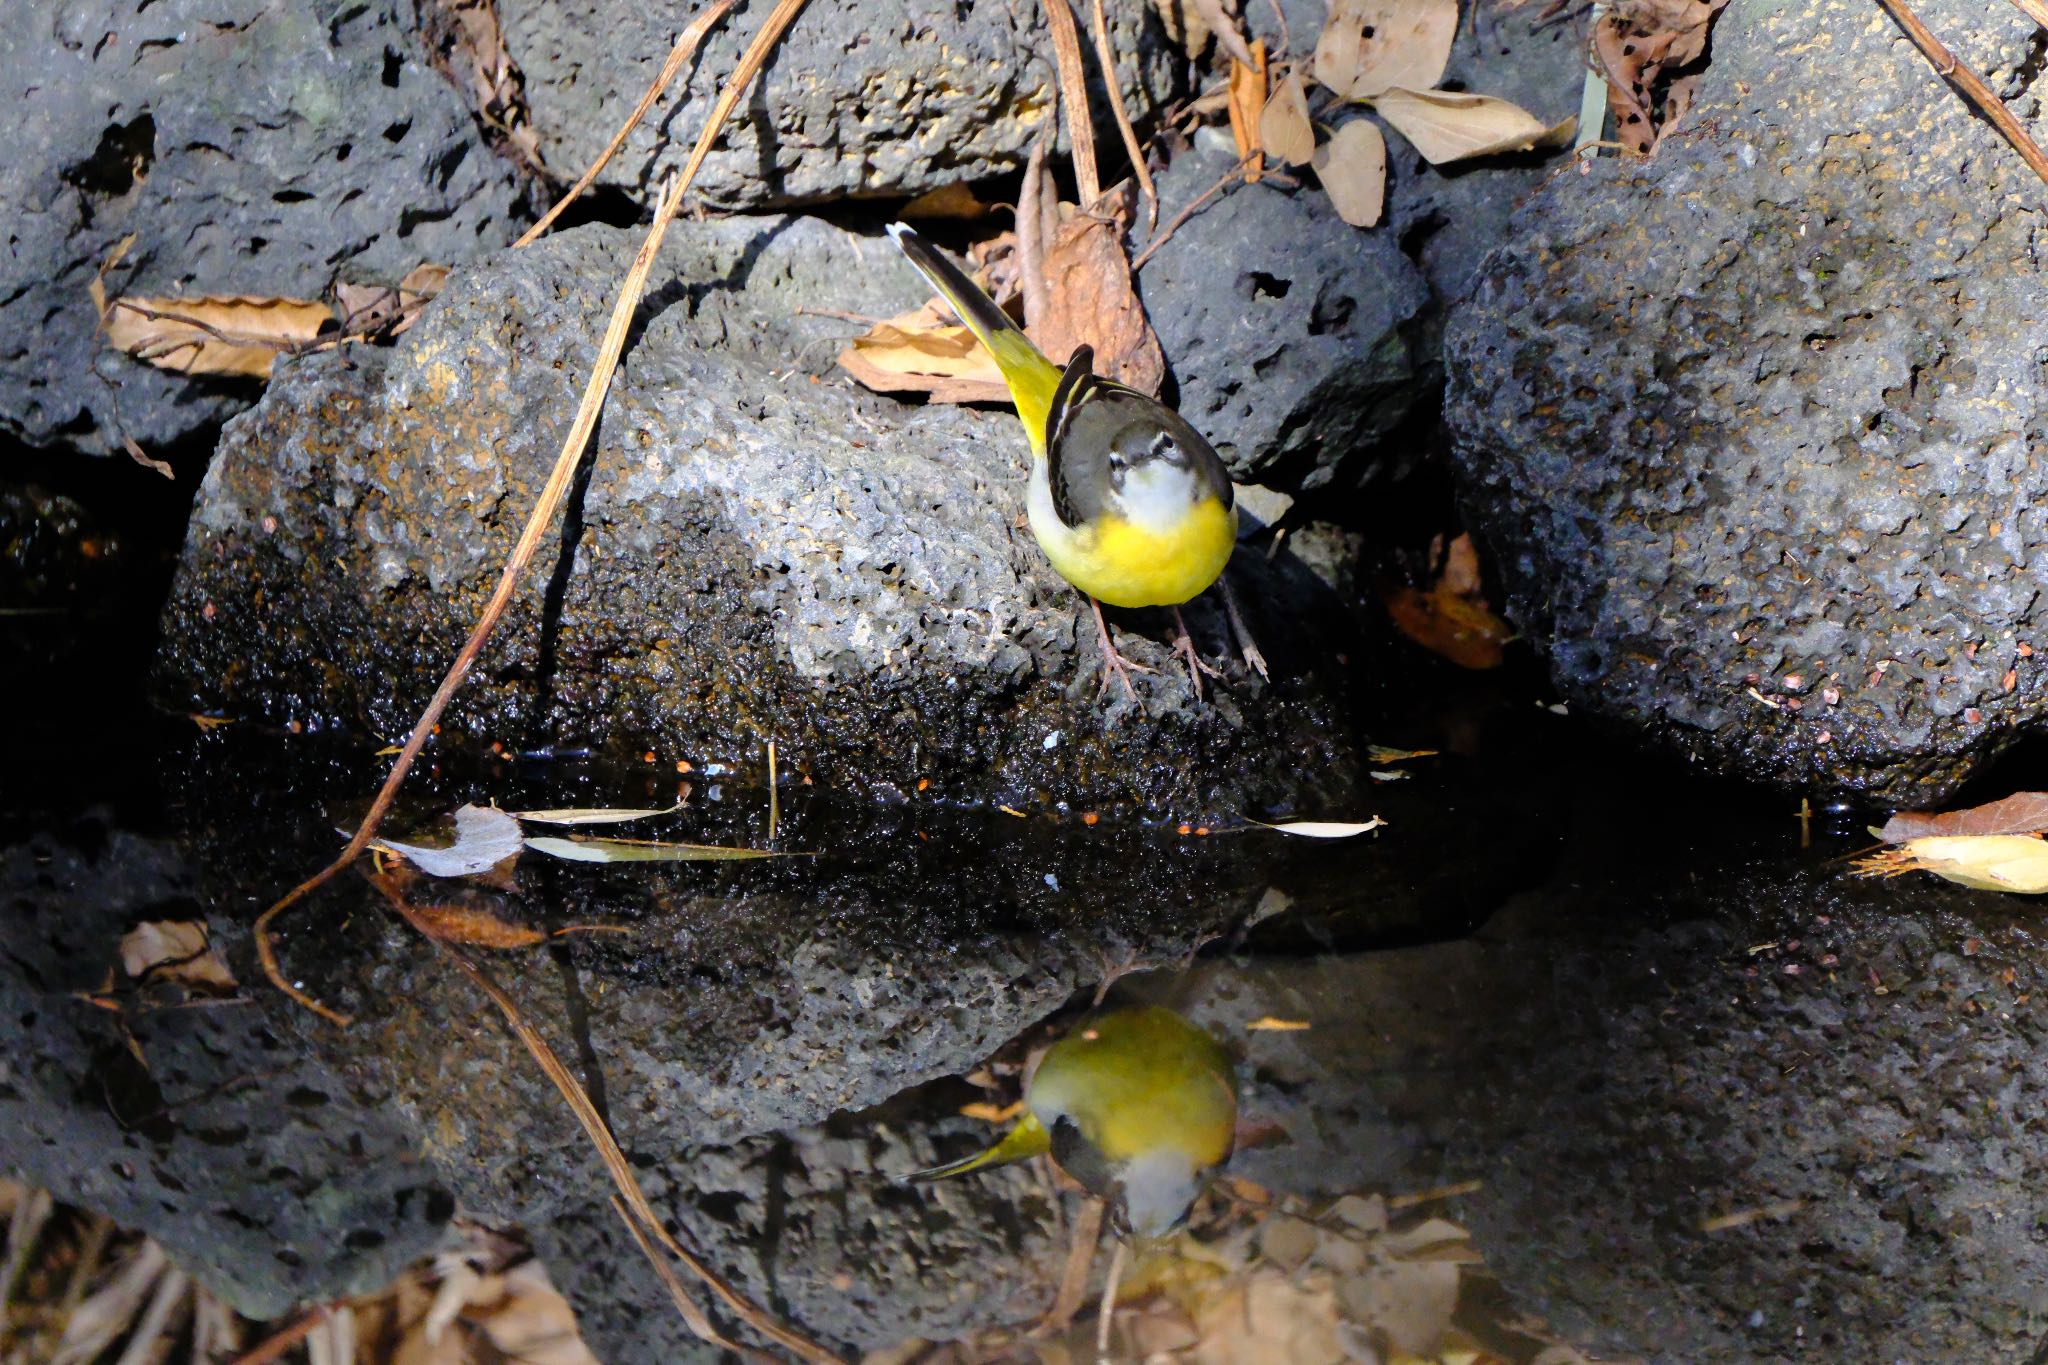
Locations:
(2020, 813)
(1640, 46)
(1451, 618)
(1090, 299)
(1353, 168)
(917, 352)
(1986, 862)
(1367, 46)
(213, 334)
(1447, 126)
(475, 927)
(483, 837)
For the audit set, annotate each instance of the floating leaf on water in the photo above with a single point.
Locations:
(641, 851)
(1447, 126)
(175, 950)
(1322, 829)
(474, 927)
(1380, 753)
(2020, 813)
(1367, 46)
(484, 837)
(1353, 168)
(590, 815)
(1987, 862)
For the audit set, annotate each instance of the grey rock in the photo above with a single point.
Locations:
(1747, 425)
(861, 98)
(760, 551)
(249, 147)
(1298, 342)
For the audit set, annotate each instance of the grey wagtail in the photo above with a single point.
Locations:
(1139, 1106)
(1127, 500)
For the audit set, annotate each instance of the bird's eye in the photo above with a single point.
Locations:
(1163, 447)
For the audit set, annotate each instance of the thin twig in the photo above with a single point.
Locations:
(1066, 51)
(615, 1163)
(1173, 225)
(1970, 85)
(686, 46)
(678, 1293)
(1107, 1313)
(545, 506)
(2035, 10)
(1031, 238)
(1105, 57)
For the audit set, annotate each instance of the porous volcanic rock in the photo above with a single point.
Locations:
(861, 97)
(758, 550)
(259, 147)
(1754, 427)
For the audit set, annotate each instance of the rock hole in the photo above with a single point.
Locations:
(396, 132)
(1330, 314)
(363, 1239)
(1256, 284)
(122, 158)
(725, 1206)
(304, 1097)
(342, 152)
(290, 197)
(393, 64)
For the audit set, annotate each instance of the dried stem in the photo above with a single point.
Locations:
(276, 1344)
(1105, 57)
(2035, 10)
(544, 507)
(685, 48)
(1031, 238)
(1970, 85)
(1173, 225)
(1066, 51)
(1073, 1287)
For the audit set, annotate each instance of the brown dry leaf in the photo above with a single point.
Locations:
(223, 334)
(957, 200)
(1409, 45)
(918, 353)
(1090, 299)
(1270, 1319)
(467, 45)
(1451, 619)
(373, 309)
(1639, 44)
(1410, 1303)
(1247, 91)
(1284, 127)
(1987, 862)
(175, 950)
(1191, 24)
(1446, 126)
(477, 928)
(2020, 813)
(533, 1324)
(1353, 168)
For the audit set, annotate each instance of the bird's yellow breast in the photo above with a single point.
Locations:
(1125, 564)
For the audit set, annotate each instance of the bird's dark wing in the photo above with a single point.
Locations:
(1075, 472)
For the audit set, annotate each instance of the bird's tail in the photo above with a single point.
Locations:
(1027, 1139)
(1030, 376)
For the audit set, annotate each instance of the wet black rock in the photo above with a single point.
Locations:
(247, 147)
(862, 97)
(1750, 426)
(759, 550)
(272, 1177)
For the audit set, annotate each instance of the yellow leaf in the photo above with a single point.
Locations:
(222, 334)
(1270, 1024)
(1987, 862)
(1446, 126)
(1284, 127)
(1367, 46)
(1353, 168)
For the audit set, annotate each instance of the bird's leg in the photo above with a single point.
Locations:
(1107, 1312)
(1245, 643)
(1113, 662)
(1184, 645)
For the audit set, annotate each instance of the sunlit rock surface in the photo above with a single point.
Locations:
(1752, 427)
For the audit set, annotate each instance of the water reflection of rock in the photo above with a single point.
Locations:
(1618, 1055)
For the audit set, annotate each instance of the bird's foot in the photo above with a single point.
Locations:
(1114, 664)
(1246, 645)
(1184, 645)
